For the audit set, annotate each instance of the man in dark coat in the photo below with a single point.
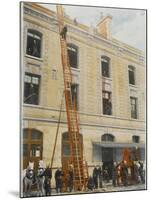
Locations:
(114, 174)
(90, 184)
(100, 177)
(58, 179)
(95, 175)
(124, 173)
(48, 176)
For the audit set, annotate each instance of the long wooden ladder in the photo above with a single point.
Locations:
(76, 152)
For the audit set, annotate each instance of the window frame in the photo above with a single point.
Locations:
(136, 139)
(136, 107)
(71, 45)
(107, 137)
(110, 97)
(32, 76)
(35, 34)
(107, 60)
(131, 68)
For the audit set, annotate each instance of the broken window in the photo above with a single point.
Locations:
(34, 43)
(107, 104)
(74, 93)
(31, 89)
(135, 139)
(107, 138)
(73, 55)
(131, 74)
(133, 101)
(105, 64)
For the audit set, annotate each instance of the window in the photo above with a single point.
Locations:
(74, 92)
(34, 43)
(105, 64)
(31, 89)
(107, 104)
(107, 138)
(135, 139)
(133, 101)
(73, 55)
(131, 74)
(32, 147)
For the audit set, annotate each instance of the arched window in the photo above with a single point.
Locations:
(66, 143)
(105, 66)
(73, 55)
(34, 43)
(107, 138)
(32, 146)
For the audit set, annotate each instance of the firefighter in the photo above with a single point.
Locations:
(95, 175)
(64, 32)
(124, 173)
(58, 179)
(100, 177)
(90, 184)
(114, 174)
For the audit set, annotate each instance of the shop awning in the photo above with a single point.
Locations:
(119, 145)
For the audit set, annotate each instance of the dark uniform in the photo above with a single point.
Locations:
(48, 176)
(58, 179)
(114, 175)
(124, 174)
(100, 177)
(90, 183)
(95, 175)
(64, 32)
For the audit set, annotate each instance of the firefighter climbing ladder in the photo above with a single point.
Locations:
(76, 154)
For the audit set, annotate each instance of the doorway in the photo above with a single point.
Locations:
(107, 159)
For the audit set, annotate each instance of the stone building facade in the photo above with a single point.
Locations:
(108, 79)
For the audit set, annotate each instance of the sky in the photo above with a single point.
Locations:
(128, 25)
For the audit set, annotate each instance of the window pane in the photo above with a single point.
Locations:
(74, 93)
(73, 56)
(35, 80)
(25, 134)
(25, 150)
(35, 150)
(133, 107)
(105, 66)
(27, 79)
(36, 135)
(135, 139)
(33, 44)
(131, 71)
(66, 150)
(107, 104)
(31, 90)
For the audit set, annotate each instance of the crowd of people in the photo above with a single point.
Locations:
(120, 174)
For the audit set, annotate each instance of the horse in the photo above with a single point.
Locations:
(40, 180)
(28, 179)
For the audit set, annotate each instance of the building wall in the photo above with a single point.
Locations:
(93, 124)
